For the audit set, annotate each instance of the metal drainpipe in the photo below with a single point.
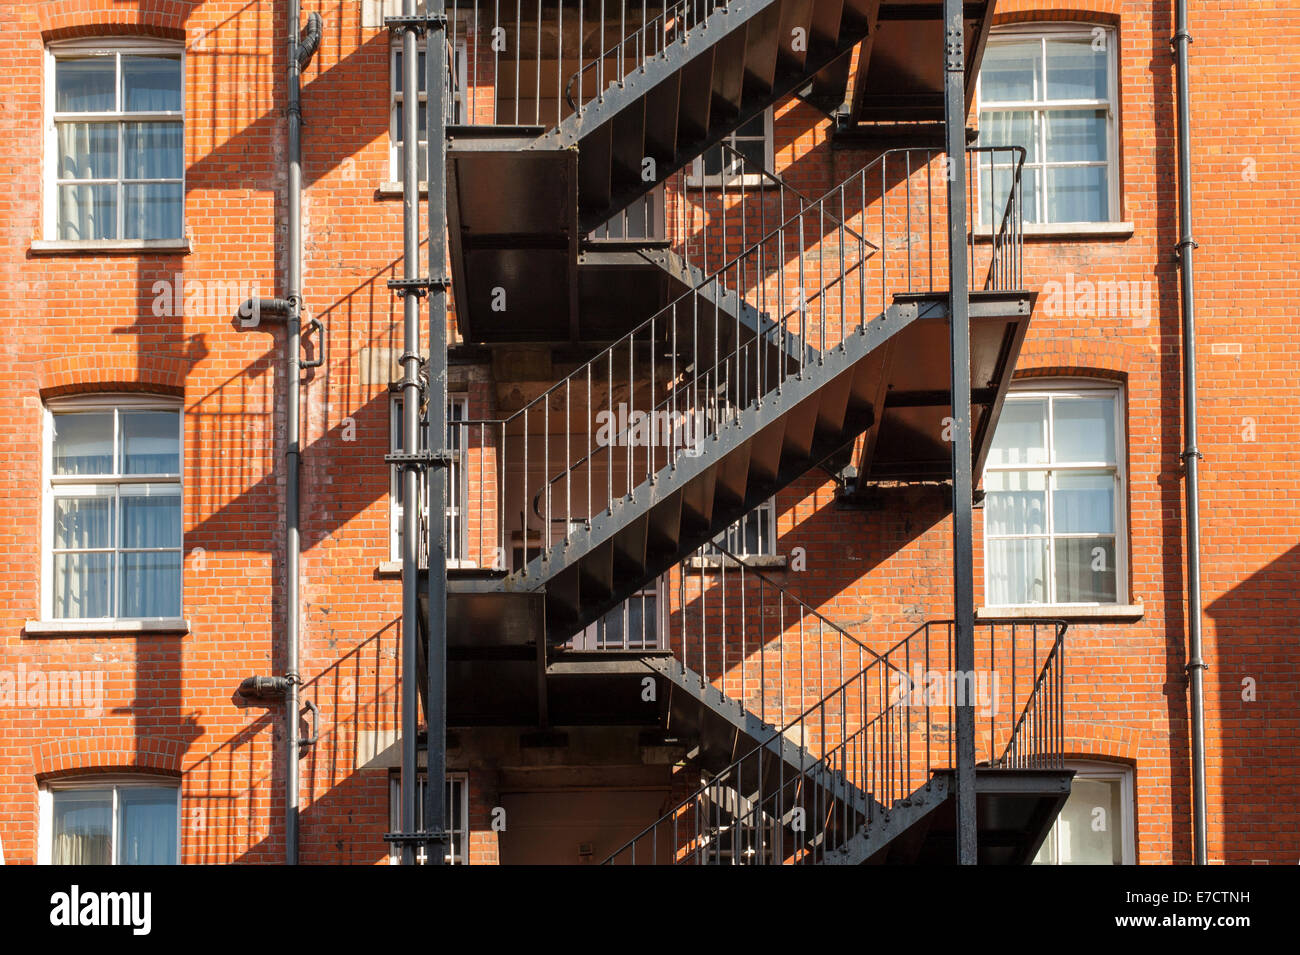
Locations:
(410, 427)
(300, 51)
(1191, 455)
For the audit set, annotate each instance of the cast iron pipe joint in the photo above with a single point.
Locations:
(268, 689)
(256, 310)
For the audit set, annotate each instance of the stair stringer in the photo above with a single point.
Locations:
(876, 834)
(756, 322)
(669, 480)
(802, 763)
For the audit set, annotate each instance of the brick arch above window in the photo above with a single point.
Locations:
(1102, 12)
(108, 751)
(71, 19)
(1087, 357)
(114, 371)
(1102, 741)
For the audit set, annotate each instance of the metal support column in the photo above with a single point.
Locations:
(435, 792)
(963, 584)
(410, 469)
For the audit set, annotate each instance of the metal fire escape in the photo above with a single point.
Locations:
(770, 333)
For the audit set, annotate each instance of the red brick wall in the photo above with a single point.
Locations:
(85, 322)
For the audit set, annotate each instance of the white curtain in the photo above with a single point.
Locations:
(83, 822)
(146, 826)
(87, 151)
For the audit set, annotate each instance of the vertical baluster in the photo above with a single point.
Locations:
(704, 631)
(547, 525)
(672, 392)
(609, 449)
(762, 654)
(973, 214)
(821, 281)
(929, 214)
(631, 409)
(591, 450)
(803, 295)
(723, 631)
(559, 60)
(655, 432)
(782, 696)
(803, 678)
(781, 313)
(568, 459)
(884, 244)
(524, 488)
(482, 448)
(537, 91)
(496, 64)
(501, 505)
(843, 277)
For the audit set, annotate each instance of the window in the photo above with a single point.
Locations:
(1095, 826)
(635, 624)
(113, 509)
(1053, 92)
(457, 816)
(754, 535)
(458, 488)
(115, 141)
(397, 129)
(753, 140)
(642, 219)
(1053, 511)
(106, 820)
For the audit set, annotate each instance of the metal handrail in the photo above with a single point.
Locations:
(871, 765)
(708, 367)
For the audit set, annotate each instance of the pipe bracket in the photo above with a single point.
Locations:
(420, 286)
(420, 23)
(443, 837)
(420, 459)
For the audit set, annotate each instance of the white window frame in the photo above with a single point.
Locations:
(735, 532)
(99, 484)
(1059, 31)
(1127, 824)
(696, 177)
(589, 638)
(116, 47)
(396, 172)
(116, 782)
(459, 783)
(1070, 388)
(458, 410)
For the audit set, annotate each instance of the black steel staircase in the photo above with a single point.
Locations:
(879, 788)
(653, 447)
(753, 337)
(567, 119)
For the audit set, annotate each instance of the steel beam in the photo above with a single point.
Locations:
(963, 584)
(435, 420)
(410, 470)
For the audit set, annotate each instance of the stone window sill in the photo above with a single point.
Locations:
(1111, 612)
(102, 246)
(95, 628)
(1052, 231)
(756, 561)
(393, 568)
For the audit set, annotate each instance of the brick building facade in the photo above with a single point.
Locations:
(129, 330)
